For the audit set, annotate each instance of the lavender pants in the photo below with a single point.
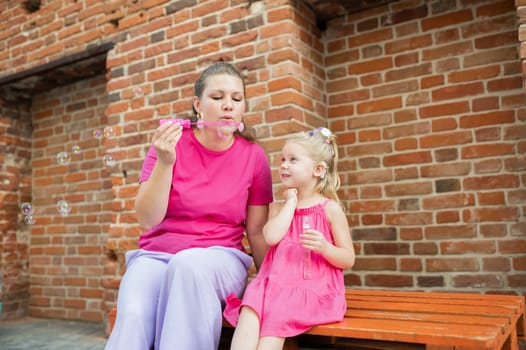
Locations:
(175, 301)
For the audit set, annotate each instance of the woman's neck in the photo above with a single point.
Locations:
(214, 139)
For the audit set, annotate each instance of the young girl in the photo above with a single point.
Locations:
(300, 283)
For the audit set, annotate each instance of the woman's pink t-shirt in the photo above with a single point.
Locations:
(209, 195)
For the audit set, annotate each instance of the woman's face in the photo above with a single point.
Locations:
(223, 99)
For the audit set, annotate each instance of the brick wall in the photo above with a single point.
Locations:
(426, 98)
(434, 150)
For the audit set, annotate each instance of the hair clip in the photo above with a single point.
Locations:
(324, 132)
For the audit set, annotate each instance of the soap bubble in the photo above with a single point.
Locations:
(63, 207)
(108, 161)
(63, 158)
(29, 220)
(138, 92)
(109, 132)
(97, 133)
(75, 149)
(27, 208)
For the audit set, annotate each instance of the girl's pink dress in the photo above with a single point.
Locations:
(294, 289)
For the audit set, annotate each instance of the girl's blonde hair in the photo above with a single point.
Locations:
(321, 145)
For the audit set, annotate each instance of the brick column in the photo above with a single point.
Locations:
(15, 188)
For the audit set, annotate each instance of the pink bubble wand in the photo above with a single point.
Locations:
(187, 123)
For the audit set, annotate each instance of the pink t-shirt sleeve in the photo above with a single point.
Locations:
(262, 181)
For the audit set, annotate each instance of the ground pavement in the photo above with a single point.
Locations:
(45, 334)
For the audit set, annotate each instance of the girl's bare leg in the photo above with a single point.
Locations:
(271, 343)
(246, 335)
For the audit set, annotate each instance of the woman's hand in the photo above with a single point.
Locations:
(165, 139)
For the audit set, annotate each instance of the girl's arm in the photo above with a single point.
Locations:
(341, 254)
(256, 218)
(280, 218)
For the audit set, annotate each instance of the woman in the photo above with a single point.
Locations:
(200, 189)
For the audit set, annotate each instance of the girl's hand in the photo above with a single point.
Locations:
(165, 139)
(291, 194)
(314, 240)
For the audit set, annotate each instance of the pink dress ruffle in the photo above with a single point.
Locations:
(286, 302)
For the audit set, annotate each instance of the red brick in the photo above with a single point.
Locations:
(457, 91)
(446, 109)
(473, 247)
(406, 130)
(411, 44)
(491, 198)
(444, 124)
(406, 144)
(448, 139)
(408, 219)
(379, 64)
(375, 264)
(496, 264)
(451, 264)
(411, 233)
(445, 217)
(388, 280)
(445, 201)
(516, 246)
(477, 281)
(474, 74)
(372, 206)
(414, 188)
(411, 264)
(407, 158)
(372, 220)
(370, 37)
(491, 182)
(446, 20)
(490, 214)
(455, 49)
(450, 232)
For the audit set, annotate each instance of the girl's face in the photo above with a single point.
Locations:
(297, 167)
(223, 99)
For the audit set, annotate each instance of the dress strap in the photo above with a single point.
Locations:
(325, 203)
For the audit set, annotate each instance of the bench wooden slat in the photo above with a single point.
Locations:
(455, 296)
(438, 318)
(444, 309)
(439, 298)
(475, 336)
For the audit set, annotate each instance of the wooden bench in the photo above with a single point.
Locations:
(436, 320)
